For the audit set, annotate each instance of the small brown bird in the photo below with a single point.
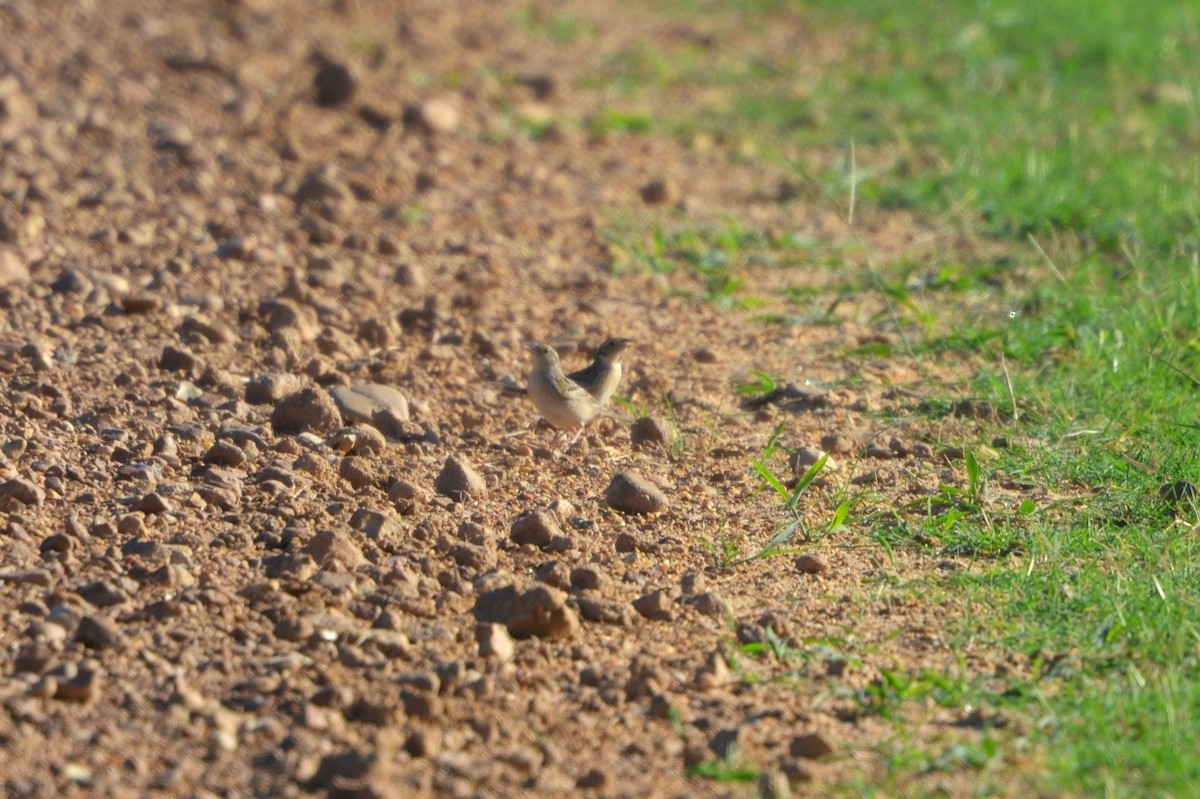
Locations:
(560, 400)
(602, 376)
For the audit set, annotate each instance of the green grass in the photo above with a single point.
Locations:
(1069, 131)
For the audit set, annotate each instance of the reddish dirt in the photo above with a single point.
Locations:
(199, 603)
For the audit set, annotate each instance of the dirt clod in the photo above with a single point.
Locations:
(629, 492)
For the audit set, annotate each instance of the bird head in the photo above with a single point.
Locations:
(613, 348)
(542, 353)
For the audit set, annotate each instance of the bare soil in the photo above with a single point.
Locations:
(205, 206)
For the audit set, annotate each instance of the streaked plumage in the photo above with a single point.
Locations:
(603, 375)
(560, 400)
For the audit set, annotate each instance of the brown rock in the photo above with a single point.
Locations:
(659, 192)
(494, 641)
(804, 457)
(537, 527)
(385, 530)
(533, 610)
(629, 492)
(811, 564)
(178, 359)
(24, 491)
(13, 269)
(435, 115)
(810, 745)
(714, 673)
(459, 481)
(605, 611)
(97, 632)
(656, 606)
(838, 443)
(588, 578)
(711, 604)
(225, 453)
(334, 85)
(380, 406)
(270, 388)
(650, 430)
(155, 503)
(309, 410)
(327, 546)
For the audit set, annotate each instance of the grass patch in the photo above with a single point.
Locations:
(1069, 131)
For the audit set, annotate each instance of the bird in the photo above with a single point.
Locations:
(561, 401)
(601, 377)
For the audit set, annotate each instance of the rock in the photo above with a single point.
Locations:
(693, 582)
(170, 135)
(361, 472)
(409, 275)
(650, 430)
(28, 576)
(811, 564)
(359, 441)
(309, 410)
(420, 704)
(714, 673)
(24, 491)
(385, 530)
(879, 451)
(334, 85)
(656, 606)
(154, 503)
(83, 686)
(407, 496)
(588, 578)
(555, 573)
(865, 479)
(594, 779)
(321, 185)
(605, 611)
(532, 610)
(537, 527)
(142, 302)
(629, 492)
(795, 771)
(213, 332)
(292, 628)
(13, 269)
(103, 593)
(224, 453)
(327, 546)
(773, 784)
(711, 604)
(494, 642)
(97, 632)
(269, 388)
(810, 745)
(659, 192)
(838, 444)
(804, 457)
(177, 359)
(434, 115)
(424, 742)
(475, 557)
(374, 404)
(459, 481)
(353, 774)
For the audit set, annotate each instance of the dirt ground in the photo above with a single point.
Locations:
(212, 585)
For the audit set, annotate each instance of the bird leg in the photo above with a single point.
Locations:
(578, 433)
